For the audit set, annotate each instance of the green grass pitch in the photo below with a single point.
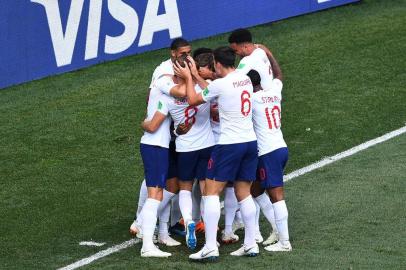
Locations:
(70, 166)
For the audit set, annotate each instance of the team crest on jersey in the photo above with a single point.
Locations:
(205, 91)
(159, 105)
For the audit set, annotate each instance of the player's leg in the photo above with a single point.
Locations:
(155, 161)
(230, 208)
(164, 212)
(222, 167)
(265, 204)
(135, 228)
(274, 186)
(187, 163)
(247, 174)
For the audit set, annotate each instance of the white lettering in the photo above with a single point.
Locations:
(93, 29)
(155, 23)
(64, 44)
(129, 18)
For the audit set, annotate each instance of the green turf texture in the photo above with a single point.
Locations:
(70, 164)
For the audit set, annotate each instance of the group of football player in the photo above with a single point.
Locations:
(212, 126)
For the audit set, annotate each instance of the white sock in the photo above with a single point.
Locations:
(281, 219)
(211, 219)
(267, 209)
(185, 205)
(257, 214)
(196, 199)
(164, 212)
(248, 211)
(238, 217)
(141, 201)
(230, 207)
(175, 210)
(149, 213)
(202, 206)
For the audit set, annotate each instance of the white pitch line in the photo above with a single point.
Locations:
(91, 243)
(290, 176)
(347, 153)
(101, 254)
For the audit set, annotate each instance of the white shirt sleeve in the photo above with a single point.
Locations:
(244, 65)
(165, 84)
(211, 91)
(276, 85)
(162, 105)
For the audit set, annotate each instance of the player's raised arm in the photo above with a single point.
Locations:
(195, 73)
(276, 69)
(192, 97)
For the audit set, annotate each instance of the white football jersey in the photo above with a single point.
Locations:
(258, 60)
(267, 118)
(234, 97)
(164, 68)
(162, 136)
(200, 135)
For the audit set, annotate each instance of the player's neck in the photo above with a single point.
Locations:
(250, 47)
(225, 71)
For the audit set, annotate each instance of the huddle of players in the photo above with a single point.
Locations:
(227, 136)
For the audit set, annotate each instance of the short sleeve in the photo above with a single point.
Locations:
(211, 91)
(245, 65)
(165, 84)
(162, 105)
(276, 85)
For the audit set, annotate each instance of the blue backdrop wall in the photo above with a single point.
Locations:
(39, 38)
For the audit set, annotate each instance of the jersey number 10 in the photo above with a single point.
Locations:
(276, 117)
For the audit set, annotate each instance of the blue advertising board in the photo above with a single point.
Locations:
(39, 38)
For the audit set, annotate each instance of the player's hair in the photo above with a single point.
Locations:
(240, 35)
(199, 51)
(225, 56)
(205, 60)
(178, 43)
(255, 77)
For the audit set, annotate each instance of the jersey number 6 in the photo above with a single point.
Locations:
(245, 103)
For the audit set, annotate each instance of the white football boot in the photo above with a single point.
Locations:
(135, 229)
(168, 241)
(272, 239)
(155, 252)
(246, 251)
(258, 237)
(279, 247)
(229, 238)
(205, 254)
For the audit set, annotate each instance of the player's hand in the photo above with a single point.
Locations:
(183, 128)
(182, 72)
(192, 66)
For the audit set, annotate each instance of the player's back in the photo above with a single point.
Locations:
(267, 118)
(235, 108)
(258, 60)
(200, 135)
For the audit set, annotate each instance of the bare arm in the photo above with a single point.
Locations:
(192, 97)
(178, 90)
(152, 125)
(195, 73)
(276, 69)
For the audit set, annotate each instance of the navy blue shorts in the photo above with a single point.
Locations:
(155, 159)
(231, 162)
(193, 165)
(173, 161)
(271, 166)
